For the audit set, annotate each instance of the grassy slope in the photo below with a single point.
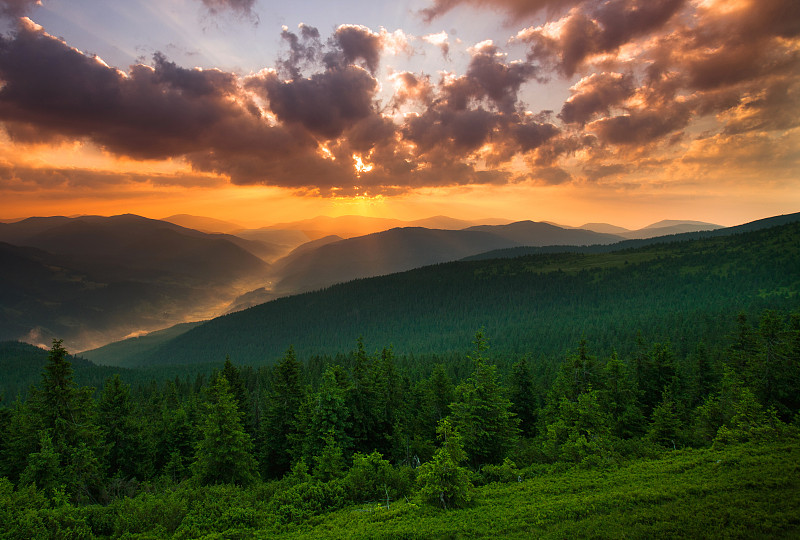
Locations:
(743, 491)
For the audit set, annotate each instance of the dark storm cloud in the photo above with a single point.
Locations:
(154, 112)
(597, 27)
(413, 88)
(488, 78)
(50, 90)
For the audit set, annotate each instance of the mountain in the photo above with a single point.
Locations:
(352, 226)
(440, 222)
(683, 223)
(302, 249)
(640, 242)
(313, 266)
(667, 226)
(91, 280)
(682, 292)
(203, 224)
(137, 246)
(380, 253)
(532, 233)
(606, 228)
(276, 243)
(344, 226)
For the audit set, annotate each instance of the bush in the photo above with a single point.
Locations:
(505, 473)
(372, 478)
(307, 499)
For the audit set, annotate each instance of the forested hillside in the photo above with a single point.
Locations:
(549, 395)
(648, 444)
(682, 292)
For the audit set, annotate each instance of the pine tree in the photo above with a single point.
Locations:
(329, 414)
(329, 464)
(443, 482)
(440, 393)
(281, 435)
(482, 413)
(240, 393)
(126, 455)
(620, 401)
(523, 398)
(44, 467)
(665, 426)
(225, 453)
(65, 413)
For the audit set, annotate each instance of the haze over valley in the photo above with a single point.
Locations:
(91, 280)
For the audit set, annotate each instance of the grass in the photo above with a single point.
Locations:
(744, 491)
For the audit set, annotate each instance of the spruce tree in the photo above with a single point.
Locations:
(224, 455)
(280, 432)
(443, 481)
(523, 398)
(482, 412)
(64, 413)
(126, 455)
(329, 414)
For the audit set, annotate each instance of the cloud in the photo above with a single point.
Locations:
(319, 120)
(326, 103)
(440, 40)
(17, 8)
(239, 7)
(596, 94)
(515, 8)
(594, 28)
(28, 178)
(304, 50)
(354, 43)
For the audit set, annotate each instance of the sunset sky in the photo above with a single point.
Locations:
(573, 111)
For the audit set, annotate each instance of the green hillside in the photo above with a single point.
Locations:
(740, 491)
(21, 366)
(543, 304)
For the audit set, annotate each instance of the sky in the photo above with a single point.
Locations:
(572, 111)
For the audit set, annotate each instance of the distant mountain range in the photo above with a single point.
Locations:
(405, 248)
(541, 303)
(93, 279)
(351, 226)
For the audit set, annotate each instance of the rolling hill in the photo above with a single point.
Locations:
(680, 291)
(381, 253)
(203, 224)
(93, 280)
(533, 233)
(326, 262)
(352, 226)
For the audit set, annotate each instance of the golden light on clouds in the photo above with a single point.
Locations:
(688, 101)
